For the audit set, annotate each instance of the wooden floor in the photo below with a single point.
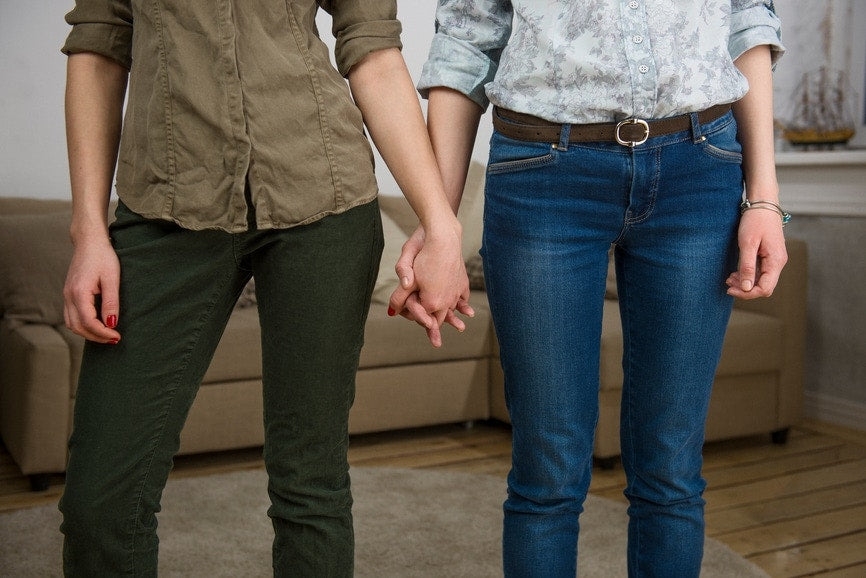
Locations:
(795, 510)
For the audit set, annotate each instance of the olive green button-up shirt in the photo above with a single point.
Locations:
(223, 92)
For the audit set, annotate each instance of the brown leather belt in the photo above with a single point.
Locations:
(629, 132)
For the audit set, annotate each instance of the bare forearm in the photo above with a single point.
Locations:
(754, 114)
(95, 88)
(452, 120)
(384, 92)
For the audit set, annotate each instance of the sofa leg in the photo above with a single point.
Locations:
(780, 436)
(606, 463)
(469, 424)
(39, 482)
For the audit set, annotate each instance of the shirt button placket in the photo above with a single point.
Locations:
(640, 58)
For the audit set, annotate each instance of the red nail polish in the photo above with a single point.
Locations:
(114, 341)
(111, 321)
(391, 312)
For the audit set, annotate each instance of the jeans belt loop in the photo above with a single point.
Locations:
(564, 135)
(629, 121)
(697, 136)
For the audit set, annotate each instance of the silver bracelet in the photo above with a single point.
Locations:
(768, 205)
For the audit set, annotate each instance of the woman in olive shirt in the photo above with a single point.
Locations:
(241, 152)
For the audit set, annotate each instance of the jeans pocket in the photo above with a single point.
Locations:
(722, 144)
(508, 155)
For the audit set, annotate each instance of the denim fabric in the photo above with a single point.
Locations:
(670, 208)
(178, 288)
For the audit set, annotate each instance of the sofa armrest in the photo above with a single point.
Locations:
(35, 396)
(788, 303)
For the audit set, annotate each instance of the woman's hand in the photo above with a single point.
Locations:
(762, 255)
(94, 271)
(433, 284)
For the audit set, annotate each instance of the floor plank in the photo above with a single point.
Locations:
(810, 559)
(856, 571)
(767, 512)
(793, 533)
(787, 484)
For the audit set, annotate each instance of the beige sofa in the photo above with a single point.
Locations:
(402, 381)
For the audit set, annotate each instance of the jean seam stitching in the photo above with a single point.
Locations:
(171, 400)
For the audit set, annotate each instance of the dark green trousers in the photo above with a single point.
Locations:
(178, 288)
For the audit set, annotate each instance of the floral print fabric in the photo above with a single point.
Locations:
(584, 61)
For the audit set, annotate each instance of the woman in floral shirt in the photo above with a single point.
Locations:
(634, 123)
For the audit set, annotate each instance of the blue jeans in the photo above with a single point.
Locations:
(670, 208)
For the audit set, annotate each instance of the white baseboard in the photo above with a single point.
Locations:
(835, 410)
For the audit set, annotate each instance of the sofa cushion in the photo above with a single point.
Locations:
(34, 254)
(610, 290)
(239, 353)
(32, 205)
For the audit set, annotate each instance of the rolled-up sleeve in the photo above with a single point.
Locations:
(465, 51)
(754, 23)
(103, 27)
(361, 27)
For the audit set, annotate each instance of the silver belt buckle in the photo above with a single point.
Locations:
(631, 143)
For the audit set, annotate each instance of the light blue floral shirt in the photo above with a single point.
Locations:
(583, 61)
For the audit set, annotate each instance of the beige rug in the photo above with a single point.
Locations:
(408, 523)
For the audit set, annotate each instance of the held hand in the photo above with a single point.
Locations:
(94, 271)
(440, 272)
(407, 301)
(400, 301)
(762, 255)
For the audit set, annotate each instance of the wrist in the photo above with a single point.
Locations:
(442, 225)
(765, 204)
(766, 189)
(89, 232)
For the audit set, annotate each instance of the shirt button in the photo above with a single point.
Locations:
(643, 68)
(632, 5)
(637, 38)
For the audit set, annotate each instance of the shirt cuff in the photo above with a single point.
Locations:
(459, 66)
(752, 27)
(358, 40)
(109, 40)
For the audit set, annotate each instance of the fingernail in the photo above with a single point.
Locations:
(111, 321)
(391, 312)
(405, 282)
(747, 285)
(114, 341)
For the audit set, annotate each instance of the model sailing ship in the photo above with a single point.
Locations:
(820, 116)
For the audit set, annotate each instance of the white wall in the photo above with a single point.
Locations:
(32, 140)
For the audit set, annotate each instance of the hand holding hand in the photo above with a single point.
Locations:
(433, 285)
